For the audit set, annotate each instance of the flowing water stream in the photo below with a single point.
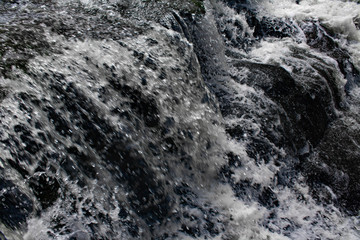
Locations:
(215, 119)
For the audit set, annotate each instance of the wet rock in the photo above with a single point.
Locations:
(148, 196)
(245, 190)
(31, 145)
(45, 188)
(178, 24)
(239, 5)
(145, 106)
(268, 27)
(19, 44)
(268, 198)
(3, 93)
(11, 1)
(74, 173)
(197, 219)
(319, 37)
(260, 149)
(83, 115)
(193, 231)
(309, 110)
(85, 163)
(152, 42)
(235, 36)
(357, 22)
(150, 63)
(286, 176)
(15, 206)
(138, 55)
(60, 124)
(169, 145)
(129, 222)
(18, 163)
(336, 163)
(234, 160)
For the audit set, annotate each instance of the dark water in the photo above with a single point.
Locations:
(179, 120)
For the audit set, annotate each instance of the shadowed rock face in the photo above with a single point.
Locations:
(45, 188)
(15, 206)
(148, 197)
(340, 163)
(309, 116)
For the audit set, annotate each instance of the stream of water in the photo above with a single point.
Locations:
(215, 119)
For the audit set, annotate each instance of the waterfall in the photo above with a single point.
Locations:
(214, 119)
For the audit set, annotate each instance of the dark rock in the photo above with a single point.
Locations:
(268, 198)
(15, 206)
(71, 168)
(246, 190)
(168, 125)
(287, 174)
(206, 222)
(83, 114)
(133, 229)
(177, 23)
(11, 1)
(31, 145)
(260, 149)
(162, 74)
(269, 27)
(143, 81)
(85, 163)
(169, 145)
(143, 105)
(60, 124)
(16, 164)
(336, 163)
(239, 5)
(3, 93)
(152, 42)
(138, 55)
(147, 196)
(192, 231)
(155, 150)
(45, 188)
(357, 22)
(234, 160)
(150, 63)
(18, 44)
(289, 227)
(235, 36)
(309, 110)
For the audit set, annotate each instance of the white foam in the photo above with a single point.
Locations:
(283, 52)
(337, 14)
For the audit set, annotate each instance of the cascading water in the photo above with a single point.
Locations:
(179, 119)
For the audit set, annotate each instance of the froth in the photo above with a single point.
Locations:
(334, 14)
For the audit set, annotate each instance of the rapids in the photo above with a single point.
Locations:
(214, 119)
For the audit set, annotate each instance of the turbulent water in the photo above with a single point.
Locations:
(215, 119)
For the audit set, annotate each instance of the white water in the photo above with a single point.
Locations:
(336, 15)
(298, 216)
